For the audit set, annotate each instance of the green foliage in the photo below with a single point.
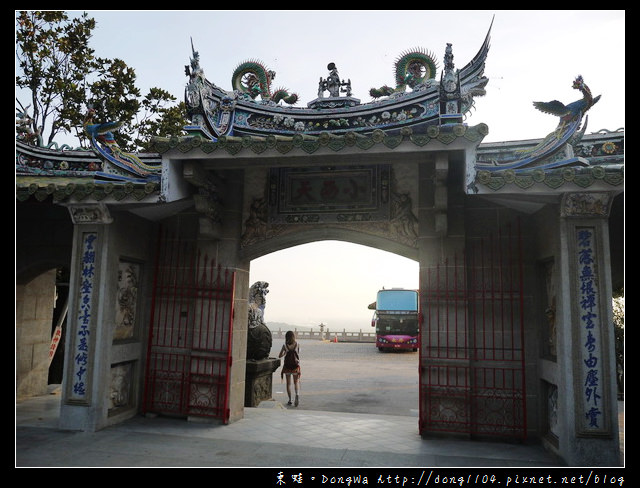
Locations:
(169, 122)
(63, 78)
(618, 309)
(53, 60)
(618, 322)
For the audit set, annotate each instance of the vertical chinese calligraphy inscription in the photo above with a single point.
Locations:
(591, 411)
(82, 338)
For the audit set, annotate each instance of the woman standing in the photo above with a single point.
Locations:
(291, 367)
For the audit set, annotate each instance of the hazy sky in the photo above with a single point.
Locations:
(329, 282)
(534, 56)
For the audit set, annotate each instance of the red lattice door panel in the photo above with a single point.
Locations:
(472, 373)
(189, 351)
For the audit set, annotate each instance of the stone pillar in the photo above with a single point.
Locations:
(222, 240)
(587, 401)
(441, 233)
(84, 405)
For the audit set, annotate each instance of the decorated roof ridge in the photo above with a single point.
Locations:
(67, 175)
(49, 162)
(605, 137)
(522, 143)
(554, 151)
(252, 107)
(34, 160)
(119, 164)
(112, 163)
(576, 177)
(66, 189)
(58, 150)
(25, 132)
(282, 144)
(78, 174)
(595, 159)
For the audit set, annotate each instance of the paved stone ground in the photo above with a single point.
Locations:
(357, 378)
(340, 383)
(354, 378)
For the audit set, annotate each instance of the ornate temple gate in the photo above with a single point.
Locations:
(189, 350)
(403, 173)
(472, 356)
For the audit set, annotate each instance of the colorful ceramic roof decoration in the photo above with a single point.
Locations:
(253, 108)
(590, 160)
(255, 117)
(78, 174)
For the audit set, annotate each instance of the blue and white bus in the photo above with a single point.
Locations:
(396, 319)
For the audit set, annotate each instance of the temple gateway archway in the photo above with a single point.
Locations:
(513, 241)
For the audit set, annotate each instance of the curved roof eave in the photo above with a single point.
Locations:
(300, 144)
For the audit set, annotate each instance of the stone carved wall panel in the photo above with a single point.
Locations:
(366, 199)
(127, 300)
(120, 385)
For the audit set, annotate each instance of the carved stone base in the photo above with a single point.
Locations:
(259, 381)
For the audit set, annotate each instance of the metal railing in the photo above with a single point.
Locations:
(328, 335)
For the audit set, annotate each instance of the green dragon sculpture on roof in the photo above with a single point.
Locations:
(254, 108)
(253, 78)
(412, 68)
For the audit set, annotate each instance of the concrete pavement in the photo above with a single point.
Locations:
(268, 436)
(277, 437)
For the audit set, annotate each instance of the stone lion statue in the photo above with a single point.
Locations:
(259, 339)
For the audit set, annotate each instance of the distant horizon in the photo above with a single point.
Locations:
(274, 325)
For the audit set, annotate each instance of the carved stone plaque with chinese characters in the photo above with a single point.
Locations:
(328, 195)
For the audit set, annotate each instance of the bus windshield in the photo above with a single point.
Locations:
(394, 325)
(397, 300)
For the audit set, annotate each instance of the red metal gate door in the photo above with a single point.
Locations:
(189, 349)
(472, 372)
